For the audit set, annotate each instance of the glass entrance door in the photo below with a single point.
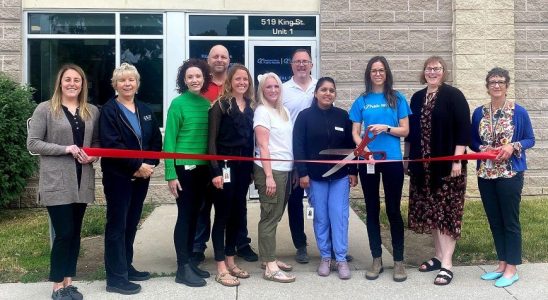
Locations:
(275, 56)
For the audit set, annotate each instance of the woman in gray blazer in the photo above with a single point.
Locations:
(59, 129)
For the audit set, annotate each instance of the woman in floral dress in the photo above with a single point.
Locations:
(439, 127)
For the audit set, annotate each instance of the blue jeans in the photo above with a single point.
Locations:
(331, 211)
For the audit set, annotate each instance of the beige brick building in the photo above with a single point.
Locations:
(472, 35)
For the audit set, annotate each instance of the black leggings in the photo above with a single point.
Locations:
(392, 181)
(230, 209)
(194, 184)
(67, 223)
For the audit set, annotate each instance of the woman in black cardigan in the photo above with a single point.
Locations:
(439, 126)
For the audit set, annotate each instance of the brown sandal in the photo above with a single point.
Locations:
(279, 276)
(227, 280)
(283, 266)
(238, 272)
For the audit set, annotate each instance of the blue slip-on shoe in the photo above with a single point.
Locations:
(504, 282)
(491, 275)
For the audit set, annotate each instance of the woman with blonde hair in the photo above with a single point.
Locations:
(59, 129)
(231, 133)
(126, 123)
(273, 139)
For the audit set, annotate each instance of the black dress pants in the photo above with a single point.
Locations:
(67, 223)
(194, 184)
(231, 209)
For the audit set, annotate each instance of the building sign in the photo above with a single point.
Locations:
(282, 26)
(275, 59)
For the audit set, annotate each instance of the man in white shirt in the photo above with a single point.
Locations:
(298, 93)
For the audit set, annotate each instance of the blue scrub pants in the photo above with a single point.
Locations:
(331, 203)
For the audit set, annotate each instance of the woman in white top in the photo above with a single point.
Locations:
(273, 140)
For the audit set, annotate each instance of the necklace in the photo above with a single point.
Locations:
(493, 127)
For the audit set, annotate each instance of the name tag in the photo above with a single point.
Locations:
(339, 129)
(370, 168)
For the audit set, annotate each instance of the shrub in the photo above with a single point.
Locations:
(16, 164)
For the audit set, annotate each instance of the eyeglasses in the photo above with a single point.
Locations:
(495, 83)
(379, 71)
(301, 62)
(433, 70)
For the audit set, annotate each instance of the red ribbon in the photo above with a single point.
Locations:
(119, 153)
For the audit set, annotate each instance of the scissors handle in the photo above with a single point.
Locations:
(367, 155)
(359, 151)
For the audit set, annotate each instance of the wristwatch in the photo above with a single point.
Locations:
(388, 129)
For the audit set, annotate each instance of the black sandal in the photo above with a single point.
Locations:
(436, 265)
(444, 274)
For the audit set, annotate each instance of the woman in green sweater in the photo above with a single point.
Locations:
(186, 131)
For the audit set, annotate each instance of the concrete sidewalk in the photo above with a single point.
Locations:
(155, 252)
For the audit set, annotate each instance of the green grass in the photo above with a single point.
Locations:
(24, 241)
(476, 243)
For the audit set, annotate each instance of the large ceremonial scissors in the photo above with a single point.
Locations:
(353, 153)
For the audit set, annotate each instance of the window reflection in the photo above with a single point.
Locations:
(46, 56)
(141, 24)
(216, 25)
(200, 49)
(147, 57)
(65, 23)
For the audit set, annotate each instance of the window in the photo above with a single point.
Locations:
(200, 49)
(69, 23)
(147, 57)
(46, 56)
(141, 24)
(90, 41)
(200, 25)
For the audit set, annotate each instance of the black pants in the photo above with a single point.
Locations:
(203, 227)
(125, 198)
(501, 198)
(296, 216)
(194, 184)
(67, 224)
(392, 181)
(230, 209)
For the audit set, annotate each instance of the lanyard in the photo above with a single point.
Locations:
(494, 127)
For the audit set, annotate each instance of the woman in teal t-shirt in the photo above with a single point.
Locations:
(384, 112)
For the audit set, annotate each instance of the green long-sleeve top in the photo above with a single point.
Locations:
(186, 130)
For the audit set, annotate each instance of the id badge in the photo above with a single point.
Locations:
(489, 164)
(190, 167)
(370, 169)
(226, 174)
(310, 213)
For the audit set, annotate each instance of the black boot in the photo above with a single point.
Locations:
(186, 276)
(198, 271)
(134, 275)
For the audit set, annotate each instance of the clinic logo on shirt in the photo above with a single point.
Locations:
(147, 118)
(375, 106)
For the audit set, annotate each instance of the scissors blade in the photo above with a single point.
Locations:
(336, 167)
(337, 151)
